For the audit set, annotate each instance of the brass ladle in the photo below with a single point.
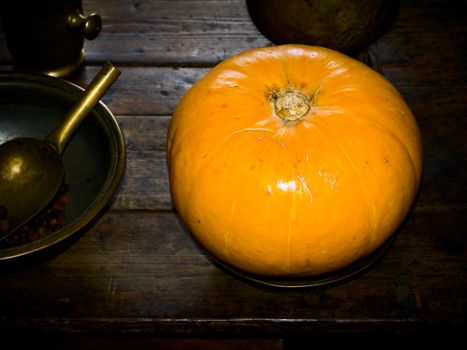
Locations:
(31, 170)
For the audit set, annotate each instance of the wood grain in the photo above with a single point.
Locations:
(115, 280)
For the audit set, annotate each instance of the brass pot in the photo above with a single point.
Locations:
(47, 36)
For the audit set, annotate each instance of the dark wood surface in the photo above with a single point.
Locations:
(136, 273)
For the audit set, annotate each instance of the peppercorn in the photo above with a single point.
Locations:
(51, 219)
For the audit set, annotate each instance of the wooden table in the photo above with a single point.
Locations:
(136, 277)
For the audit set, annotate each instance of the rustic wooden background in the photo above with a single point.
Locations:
(137, 276)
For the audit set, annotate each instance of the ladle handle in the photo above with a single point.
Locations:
(65, 129)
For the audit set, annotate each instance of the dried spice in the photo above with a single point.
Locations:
(51, 219)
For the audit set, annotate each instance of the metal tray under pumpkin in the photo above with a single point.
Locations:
(351, 271)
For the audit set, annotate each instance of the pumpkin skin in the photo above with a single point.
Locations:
(293, 160)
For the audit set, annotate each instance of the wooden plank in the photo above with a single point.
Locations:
(427, 35)
(197, 32)
(145, 90)
(145, 184)
(141, 273)
(161, 28)
(78, 342)
(158, 90)
(168, 32)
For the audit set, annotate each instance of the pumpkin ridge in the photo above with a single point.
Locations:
(363, 185)
(384, 128)
(290, 226)
(228, 233)
(362, 182)
(246, 130)
(305, 186)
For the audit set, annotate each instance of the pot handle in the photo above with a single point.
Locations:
(90, 25)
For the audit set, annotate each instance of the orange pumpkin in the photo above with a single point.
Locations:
(293, 160)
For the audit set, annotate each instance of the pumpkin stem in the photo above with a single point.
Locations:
(291, 105)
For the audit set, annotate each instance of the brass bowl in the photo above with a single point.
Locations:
(94, 160)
